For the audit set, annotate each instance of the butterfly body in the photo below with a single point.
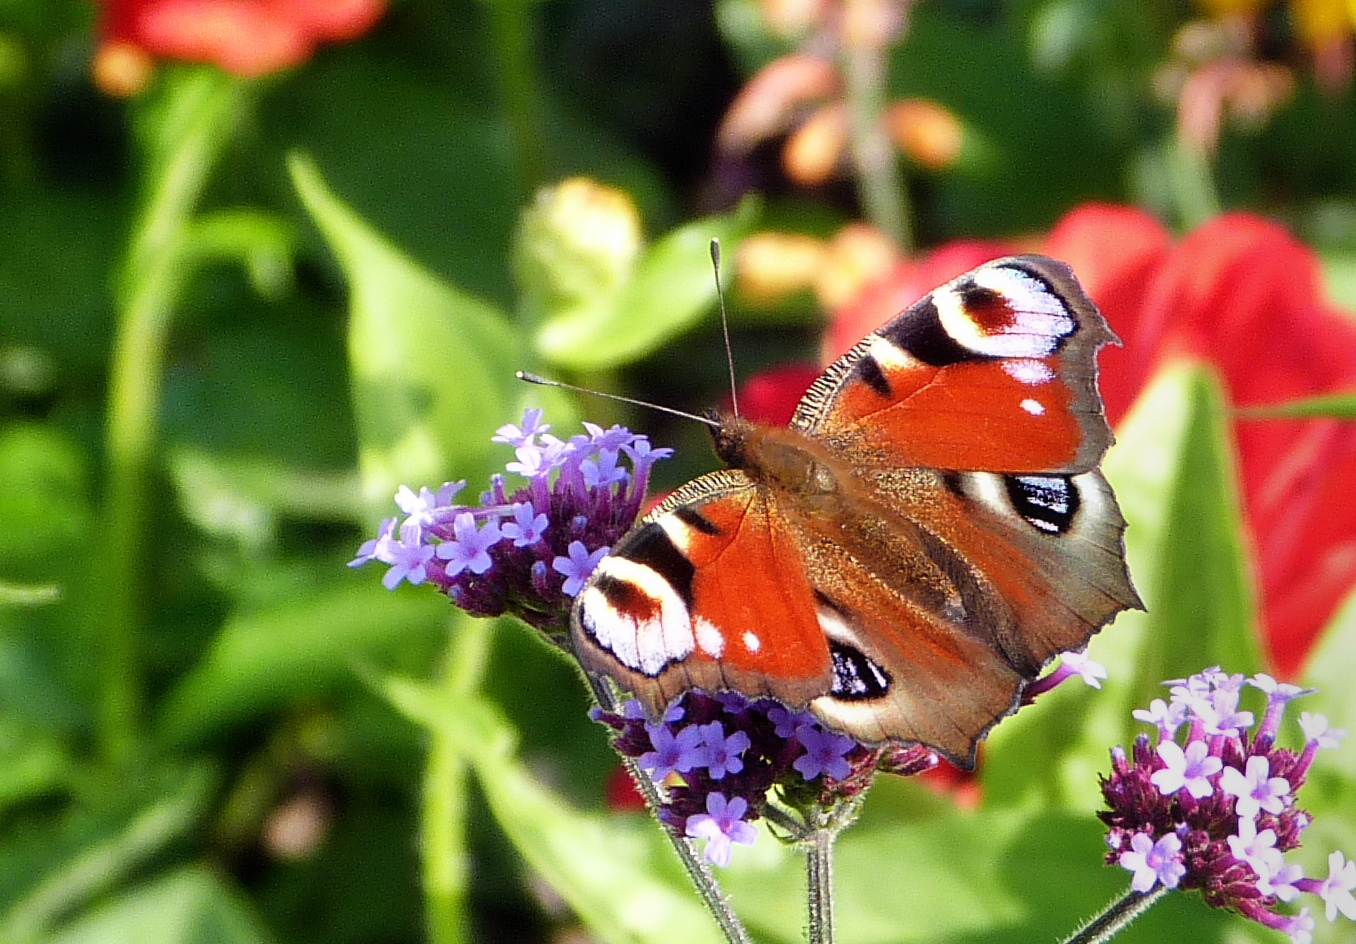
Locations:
(927, 533)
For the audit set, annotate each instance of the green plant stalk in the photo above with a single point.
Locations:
(1192, 180)
(203, 109)
(695, 866)
(885, 199)
(446, 864)
(510, 26)
(1116, 917)
(819, 884)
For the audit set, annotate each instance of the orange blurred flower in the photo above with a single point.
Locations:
(1242, 295)
(244, 37)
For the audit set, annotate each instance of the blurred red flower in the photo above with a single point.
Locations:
(1238, 293)
(244, 37)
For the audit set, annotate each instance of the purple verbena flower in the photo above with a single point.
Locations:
(1191, 769)
(468, 548)
(576, 566)
(723, 753)
(526, 527)
(724, 743)
(524, 549)
(1153, 862)
(1218, 811)
(521, 435)
(1255, 788)
(673, 753)
(721, 825)
(825, 753)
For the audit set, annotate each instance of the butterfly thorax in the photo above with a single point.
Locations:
(786, 461)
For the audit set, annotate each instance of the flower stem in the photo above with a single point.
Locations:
(819, 884)
(510, 25)
(1116, 916)
(693, 864)
(885, 199)
(1192, 181)
(446, 865)
(193, 123)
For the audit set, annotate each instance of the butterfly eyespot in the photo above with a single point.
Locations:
(855, 676)
(1048, 503)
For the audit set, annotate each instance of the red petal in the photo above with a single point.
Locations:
(771, 396)
(1243, 294)
(1114, 250)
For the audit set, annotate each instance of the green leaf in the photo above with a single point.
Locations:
(1331, 668)
(33, 763)
(263, 242)
(301, 649)
(995, 877)
(1172, 471)
(619, 876)
(244, 498)
(1340, 406)
(190, 906)
(432, 367)
(101, 861)
(671, 290)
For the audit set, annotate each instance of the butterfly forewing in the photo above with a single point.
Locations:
(709, 591)
(994, 371)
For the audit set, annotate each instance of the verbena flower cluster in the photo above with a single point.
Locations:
(527, 551)
(1216, 811)
(723, 761)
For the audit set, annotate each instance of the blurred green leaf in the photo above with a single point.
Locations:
(103, 860)
(264, 243)
(620, 877)
(244, 498)
(432, 367)
(672, 290)
(1339, 272)
(1331, 669)
(297, 650)
(1172, 471)
(995, 877)
(13, 594)
(1340, 406)
(189, 906)
(33, 762)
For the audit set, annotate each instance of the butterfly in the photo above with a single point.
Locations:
(926, 534)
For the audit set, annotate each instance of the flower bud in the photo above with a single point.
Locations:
(771, 266)
(926, 132)
(576, 245)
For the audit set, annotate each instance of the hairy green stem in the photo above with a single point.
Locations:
(1192, 180)
(446, 863)
(184, 139)
(511, 40)
(885, 199)
(693, 864)
(1116, 916)
(819, 884)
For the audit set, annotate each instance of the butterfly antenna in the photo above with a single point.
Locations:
(724, 325)
(544, 382)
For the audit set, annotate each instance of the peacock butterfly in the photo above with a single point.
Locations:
(928, 532)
